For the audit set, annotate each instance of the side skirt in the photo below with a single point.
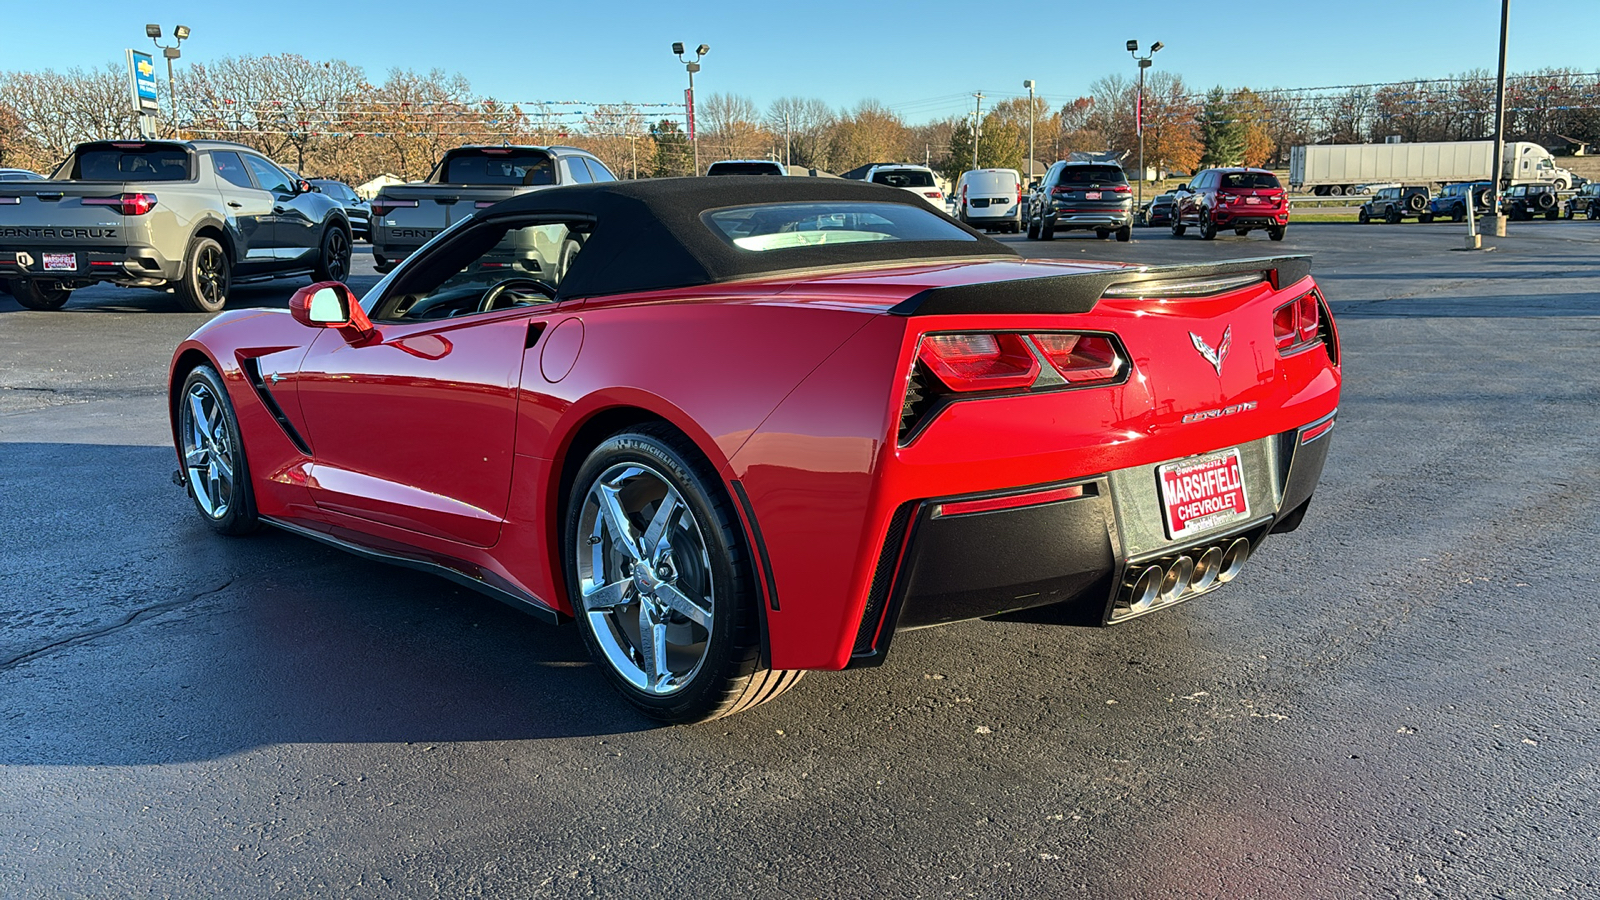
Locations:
(508, 595)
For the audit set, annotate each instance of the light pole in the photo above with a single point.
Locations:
(1138, 108)
(1496, 213)
(1032, 114)
(153, 32)
(693, 65)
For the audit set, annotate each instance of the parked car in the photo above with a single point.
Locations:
(1524, 201)
(1452, 200)
(918, 180)
(467, 179)
(990, 199)
(940, 433)
(1243, 199)
(1584, 201)
(356, 208)
(19, 175)
(1392, 204)
(1081, 196)
(746, 167)
(1157, 210)
(196, 216)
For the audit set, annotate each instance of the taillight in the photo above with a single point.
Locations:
(1060, 189)
(934, 194)
(382, 207)
(979, 362)
(1081, 358)
(1121, 189)
(127, 204)
(1296, 323)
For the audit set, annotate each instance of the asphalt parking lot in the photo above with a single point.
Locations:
(1397, 700)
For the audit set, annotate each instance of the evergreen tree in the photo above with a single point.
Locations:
(674, 156)
(1221, 132)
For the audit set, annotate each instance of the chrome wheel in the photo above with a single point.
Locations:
(644, 578)
(208, 451)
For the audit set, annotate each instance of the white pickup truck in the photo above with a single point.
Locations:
(467, 179)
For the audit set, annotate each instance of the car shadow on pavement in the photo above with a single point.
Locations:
(261, 295)
(132, 634)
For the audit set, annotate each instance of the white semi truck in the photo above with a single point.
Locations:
(1337, 168)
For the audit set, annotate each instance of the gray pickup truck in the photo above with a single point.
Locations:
(467, 179)
(195, 216)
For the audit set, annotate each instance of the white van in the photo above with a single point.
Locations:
(990, 199)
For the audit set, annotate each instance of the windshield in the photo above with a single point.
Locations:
(745, 168)
(1250, 180)
(904, 178)
(134, 162)
(494, 166)
(781, 226)
(1093, 175)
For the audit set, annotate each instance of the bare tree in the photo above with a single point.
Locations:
(803, 122)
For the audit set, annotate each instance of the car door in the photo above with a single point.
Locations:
(287, 229)
(249, 211)
(414, 426)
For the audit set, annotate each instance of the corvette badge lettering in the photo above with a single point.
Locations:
(1215, 357)
(1205, 414)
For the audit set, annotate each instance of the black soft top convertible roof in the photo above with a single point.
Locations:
(649, 235)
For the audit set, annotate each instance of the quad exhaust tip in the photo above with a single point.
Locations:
(1168, 581)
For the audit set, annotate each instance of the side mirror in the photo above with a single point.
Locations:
(1183, 187)
(329, 304)
(303, 186)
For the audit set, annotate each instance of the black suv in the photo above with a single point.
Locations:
(1081, 196)
(1586, 201)
(1524, 201)
(357, 210)
(1392, 204)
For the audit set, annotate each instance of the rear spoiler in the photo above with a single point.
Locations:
(1080, 291)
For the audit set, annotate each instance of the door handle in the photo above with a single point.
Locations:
(235, 204)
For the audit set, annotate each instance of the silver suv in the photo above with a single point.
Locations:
(198, 216)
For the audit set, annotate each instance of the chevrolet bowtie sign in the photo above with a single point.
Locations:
(142, 81)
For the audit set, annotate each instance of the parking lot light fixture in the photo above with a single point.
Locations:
(1138, 107)
(171, 53)
(693, 66)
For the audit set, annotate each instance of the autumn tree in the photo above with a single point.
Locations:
(870, 134)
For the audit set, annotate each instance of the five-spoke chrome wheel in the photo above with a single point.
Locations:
(644, 578)
(208, 452)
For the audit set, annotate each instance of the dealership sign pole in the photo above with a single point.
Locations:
(142, 89)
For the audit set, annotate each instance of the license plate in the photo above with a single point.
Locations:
(1091, 195)
(1252, 199)
(1202, 494)
(60, 262)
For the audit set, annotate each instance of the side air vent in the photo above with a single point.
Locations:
(883, 581)
(918, 403)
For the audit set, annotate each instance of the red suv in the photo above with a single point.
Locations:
(1237, 198)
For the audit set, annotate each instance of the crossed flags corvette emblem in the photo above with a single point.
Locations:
(1215, 357)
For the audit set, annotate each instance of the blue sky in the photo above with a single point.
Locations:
(923, 60)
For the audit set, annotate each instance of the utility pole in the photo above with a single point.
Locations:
(1500, 126)
(977, 123)
(1032, 114)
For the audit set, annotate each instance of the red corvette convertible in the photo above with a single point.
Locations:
(743, 427)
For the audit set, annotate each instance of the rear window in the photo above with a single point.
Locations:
(1093, 175)
(1250, 180)
(904, 178)
(110, 163)
(498, 167)
(745, 168)
(782, 226)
